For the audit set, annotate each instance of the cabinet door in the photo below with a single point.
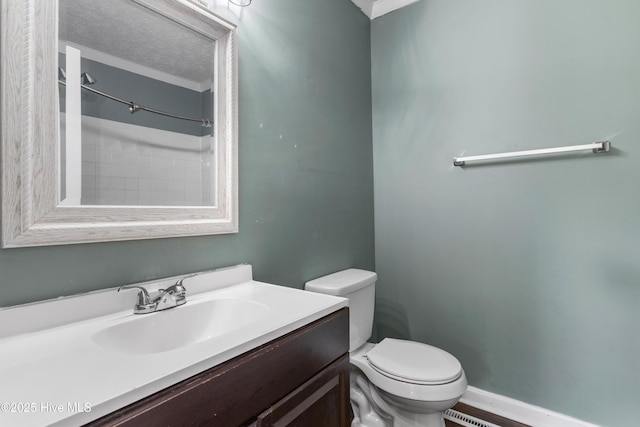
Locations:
(322, 401)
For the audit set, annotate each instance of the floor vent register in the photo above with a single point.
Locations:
(466, 420)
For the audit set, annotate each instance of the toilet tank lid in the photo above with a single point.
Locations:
(342, 282)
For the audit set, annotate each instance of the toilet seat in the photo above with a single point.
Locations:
(402, 387)
(414, 362)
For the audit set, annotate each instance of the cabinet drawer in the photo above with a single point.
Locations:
(323, 401)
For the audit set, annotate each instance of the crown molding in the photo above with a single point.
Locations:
(375, 8)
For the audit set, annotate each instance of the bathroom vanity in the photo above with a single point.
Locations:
(238, 353)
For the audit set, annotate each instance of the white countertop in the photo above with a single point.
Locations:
(59, 376)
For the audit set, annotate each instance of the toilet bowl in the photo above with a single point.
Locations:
(395, 383)
(412, 397)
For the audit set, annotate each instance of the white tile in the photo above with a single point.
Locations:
(131, 197)
(145, 184)
(146, 172)
(103, 169)
(160, 198)
(162, 162)
(160, 185)
(103, 182)
(88, 194)
(89, 144)
(131, 184)
(88, 181)
(131, 171)
(88, 168)
(144, 197)
(119, 157)
(118, 170)
(104, 156)
(176, 186)
(116, 197)
(117, 183)
(158, 173)
(89, 155)
(142, 148)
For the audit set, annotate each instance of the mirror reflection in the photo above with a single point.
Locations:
(136, 107)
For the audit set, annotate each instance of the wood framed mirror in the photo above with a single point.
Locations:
(36, 209)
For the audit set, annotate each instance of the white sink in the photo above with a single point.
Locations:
(180, 326)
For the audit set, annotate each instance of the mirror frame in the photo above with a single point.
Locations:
(29, 114)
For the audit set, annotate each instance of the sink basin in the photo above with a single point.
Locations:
(181, 326)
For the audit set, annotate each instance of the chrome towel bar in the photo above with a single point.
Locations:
(596, 147)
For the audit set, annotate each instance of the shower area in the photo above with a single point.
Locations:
(136, 113)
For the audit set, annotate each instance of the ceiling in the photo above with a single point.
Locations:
(376, 8)
(126, 30)
(121, 29)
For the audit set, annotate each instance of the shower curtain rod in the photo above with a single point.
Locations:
(133, 107)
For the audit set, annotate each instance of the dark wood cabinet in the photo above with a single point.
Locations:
(300, 379)
(320, 402)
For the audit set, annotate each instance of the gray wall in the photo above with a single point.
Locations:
(527, 271)
(306, 180)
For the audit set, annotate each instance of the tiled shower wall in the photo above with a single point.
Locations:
(124, 164)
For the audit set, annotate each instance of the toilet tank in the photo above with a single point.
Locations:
(359, 287)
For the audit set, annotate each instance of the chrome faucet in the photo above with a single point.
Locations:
(173, 296)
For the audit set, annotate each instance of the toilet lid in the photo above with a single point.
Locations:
(414, 362)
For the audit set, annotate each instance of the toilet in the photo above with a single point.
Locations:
(395, 383)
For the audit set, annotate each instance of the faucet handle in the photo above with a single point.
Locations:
(144, 304)
(177, 290)
(143, 295)
(179, 282)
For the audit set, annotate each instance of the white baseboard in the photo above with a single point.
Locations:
(518, 411)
